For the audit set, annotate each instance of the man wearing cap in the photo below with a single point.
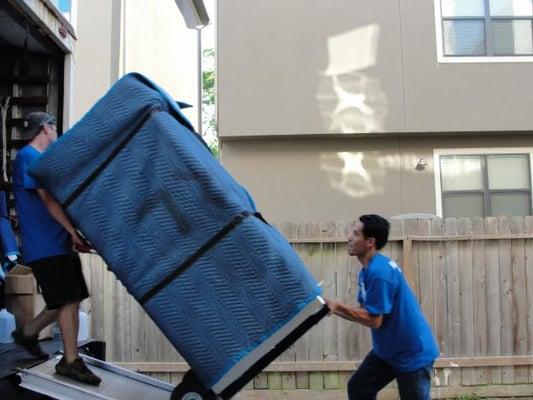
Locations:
(48, 241)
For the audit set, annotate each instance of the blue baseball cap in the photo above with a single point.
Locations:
(34, 122)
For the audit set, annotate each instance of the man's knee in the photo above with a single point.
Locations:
(416, 385)
(68, 310)
(69, 306)
(359, 390)
(52, 313)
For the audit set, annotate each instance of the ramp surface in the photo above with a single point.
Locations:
(117, 383)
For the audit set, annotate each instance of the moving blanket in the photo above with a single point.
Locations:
(177, 230)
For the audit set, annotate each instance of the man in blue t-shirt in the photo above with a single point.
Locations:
(48, 239)
(403, 345)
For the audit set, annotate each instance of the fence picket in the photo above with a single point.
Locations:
(529, 289)
(479, 304)
(425, 261)
(346, 292)
(453, 292)
(440, 299)
(464, 227)
(410, 258)
(299, 231)
(329, 275)
(493, 298)
(288, 379)
(519, 300)
(506, 297)
(316, 343)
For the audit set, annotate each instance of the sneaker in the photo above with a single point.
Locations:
(30, 343)
(78, 371)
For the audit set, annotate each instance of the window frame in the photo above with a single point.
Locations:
(442, 58)
(438, 153)
(72, 18)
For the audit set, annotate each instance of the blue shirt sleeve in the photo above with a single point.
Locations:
(379, 297)
(30, 183)
(7, 237)
(27, 181)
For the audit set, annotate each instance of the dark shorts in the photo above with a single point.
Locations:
(60, 280)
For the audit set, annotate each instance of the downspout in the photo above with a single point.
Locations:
(195, 15)
(200, 82)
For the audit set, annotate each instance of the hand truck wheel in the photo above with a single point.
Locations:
(191, 391)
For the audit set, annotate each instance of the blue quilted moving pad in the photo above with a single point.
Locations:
(147, 193)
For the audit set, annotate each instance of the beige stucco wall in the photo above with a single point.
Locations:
(158, 44)
(121, 36)
(343, 66)
(324, 179)
(93, 59)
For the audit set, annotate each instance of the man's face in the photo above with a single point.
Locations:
(357, 244)
(51, 131)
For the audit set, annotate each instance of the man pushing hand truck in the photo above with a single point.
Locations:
(403, 345)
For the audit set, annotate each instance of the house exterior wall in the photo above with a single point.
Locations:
(122, 36)
(158, 44)
(279, 62)
(458, 97)
(94, 55)
(304, 83)
(295, 180)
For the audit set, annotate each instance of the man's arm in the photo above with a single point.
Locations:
(354, 314)
(56, 211)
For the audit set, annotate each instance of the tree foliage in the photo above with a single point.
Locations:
(209, 124)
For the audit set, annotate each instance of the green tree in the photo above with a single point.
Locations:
(209, 124)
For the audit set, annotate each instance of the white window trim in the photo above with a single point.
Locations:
(441, 58)
(74, 14)
(437, 153)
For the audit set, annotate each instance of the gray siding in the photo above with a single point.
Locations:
(303, 180)
(274, 59)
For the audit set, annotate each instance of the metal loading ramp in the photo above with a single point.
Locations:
(117, 383)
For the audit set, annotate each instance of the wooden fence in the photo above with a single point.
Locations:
(473, 278)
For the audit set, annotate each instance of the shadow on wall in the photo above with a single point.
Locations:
(349, 100)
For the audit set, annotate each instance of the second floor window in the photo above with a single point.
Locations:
(487, 27)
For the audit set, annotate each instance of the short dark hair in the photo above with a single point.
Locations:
(376, 227)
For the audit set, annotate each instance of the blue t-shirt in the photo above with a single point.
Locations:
(42, 236)
(404, 339)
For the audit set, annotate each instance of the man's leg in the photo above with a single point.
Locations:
(41, 321)
(69, 289)
(27, 335)
(415, 385)
(372, 375)
(69, 325)
(71, 365)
